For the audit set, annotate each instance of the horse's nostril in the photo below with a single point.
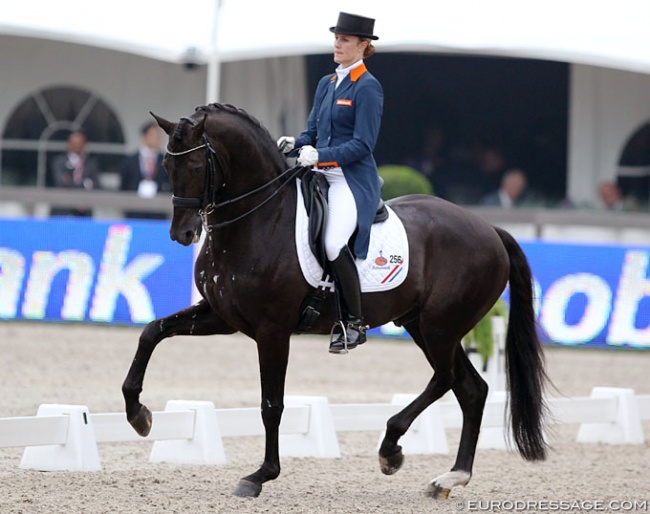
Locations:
(189, 235)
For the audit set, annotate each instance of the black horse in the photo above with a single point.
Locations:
(229, 179)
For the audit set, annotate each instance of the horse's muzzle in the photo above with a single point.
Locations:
(186, 233)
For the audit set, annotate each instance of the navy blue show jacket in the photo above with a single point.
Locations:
(343, 126)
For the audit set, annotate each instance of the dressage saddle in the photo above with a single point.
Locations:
(314, 188)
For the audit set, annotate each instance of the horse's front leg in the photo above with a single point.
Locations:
(273, 353)
(199, 319)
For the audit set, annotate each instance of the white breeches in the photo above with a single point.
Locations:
(342, 213)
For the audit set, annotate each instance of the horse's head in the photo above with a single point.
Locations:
(218, 146)
(189, 162)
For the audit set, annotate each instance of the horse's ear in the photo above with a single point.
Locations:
(164, 124)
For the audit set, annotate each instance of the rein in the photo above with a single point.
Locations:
(207, 204)
(287, 174)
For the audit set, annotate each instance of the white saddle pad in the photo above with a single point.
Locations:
(388, 255)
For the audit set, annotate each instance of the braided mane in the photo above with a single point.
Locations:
(263, 136)
(231, 109)
(216, 108)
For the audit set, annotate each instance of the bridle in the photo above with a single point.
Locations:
(207, 203)
(209, 191)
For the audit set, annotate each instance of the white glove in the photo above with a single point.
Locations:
(308, 156)
(286, 144)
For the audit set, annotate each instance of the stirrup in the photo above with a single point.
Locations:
(342, 343)
(335, 336)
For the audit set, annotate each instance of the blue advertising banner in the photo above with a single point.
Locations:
(131, 273)
(76, 269)
(593, 295)
(587, 295)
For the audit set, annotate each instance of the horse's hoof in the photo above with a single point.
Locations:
(246, 489)
(142, 421)
(437, 492)
(439, 488)
(391, 465)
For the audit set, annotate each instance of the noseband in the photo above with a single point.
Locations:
(208, 202)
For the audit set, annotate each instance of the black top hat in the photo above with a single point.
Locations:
(354, 25)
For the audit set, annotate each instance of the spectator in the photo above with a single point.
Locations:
(143, 171)
(611, 198)
(432, 159)
(474, 171)
(491, 166)
(510, 192)
(74, 169)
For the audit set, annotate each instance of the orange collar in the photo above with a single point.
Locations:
(355, 73)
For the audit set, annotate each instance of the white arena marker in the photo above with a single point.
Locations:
(319, 439)
(626, 427)
(495, 437)
(205, 446)
(78, 453)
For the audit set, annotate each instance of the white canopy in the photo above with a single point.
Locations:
(607, 34)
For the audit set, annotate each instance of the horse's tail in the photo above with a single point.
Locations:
(524, 357)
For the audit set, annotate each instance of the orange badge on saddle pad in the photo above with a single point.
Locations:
(342, 101)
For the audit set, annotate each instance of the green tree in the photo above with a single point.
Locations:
(403, 180)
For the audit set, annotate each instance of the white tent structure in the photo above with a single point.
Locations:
(607, 43)
(606, 34)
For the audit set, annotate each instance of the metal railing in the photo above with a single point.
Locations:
(30, 197)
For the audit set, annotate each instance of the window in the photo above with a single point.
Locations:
(39, 126)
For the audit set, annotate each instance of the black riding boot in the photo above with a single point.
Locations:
(347, 282)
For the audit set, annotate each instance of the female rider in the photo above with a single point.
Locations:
(341, 133)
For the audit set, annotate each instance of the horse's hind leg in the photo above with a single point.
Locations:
(471, 391)
(441, 357)
(199, 319)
